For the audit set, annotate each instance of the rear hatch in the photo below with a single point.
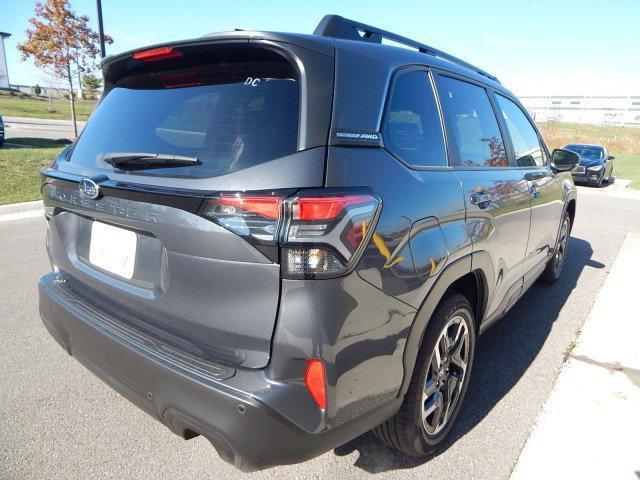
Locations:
(177, 126)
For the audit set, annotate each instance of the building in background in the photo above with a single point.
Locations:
(4, 70)
(584, 109)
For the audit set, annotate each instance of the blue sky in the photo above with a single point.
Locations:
(535, 47)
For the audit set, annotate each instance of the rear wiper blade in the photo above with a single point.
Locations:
(141, 161)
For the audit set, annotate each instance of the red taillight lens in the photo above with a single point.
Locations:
(153, 54)
(265, 206)
(315, 383)
(325, 208)
(255, 216)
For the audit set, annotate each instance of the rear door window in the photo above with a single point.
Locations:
(524, 138)
(229, 116)
(472, 129)
(412, 129)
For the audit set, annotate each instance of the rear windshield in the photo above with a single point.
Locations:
(229, 115)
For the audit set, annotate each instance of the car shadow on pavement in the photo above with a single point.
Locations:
(502, 356)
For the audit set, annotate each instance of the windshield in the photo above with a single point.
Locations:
(228, 117)
(592, 153)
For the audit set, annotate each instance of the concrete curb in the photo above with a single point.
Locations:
(619, 189)
(589, 426)
(17, 211)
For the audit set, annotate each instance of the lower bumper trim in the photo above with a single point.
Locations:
(244, 431)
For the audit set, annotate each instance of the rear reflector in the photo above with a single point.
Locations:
(153, 54)
(314, 381)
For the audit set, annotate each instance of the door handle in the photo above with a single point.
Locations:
(482, 199)
(534, 175)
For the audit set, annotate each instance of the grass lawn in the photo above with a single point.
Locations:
(19, 171)
(627, 165)
(614, 137)
(622, 142)
(36, 107)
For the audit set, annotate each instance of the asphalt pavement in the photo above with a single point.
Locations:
(16, 127)
(61, 422)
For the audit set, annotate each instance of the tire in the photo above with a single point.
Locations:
(406, 430)
(599, 183)
(554, 267)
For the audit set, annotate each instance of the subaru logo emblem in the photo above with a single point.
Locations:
(89, 188)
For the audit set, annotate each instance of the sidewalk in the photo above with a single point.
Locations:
(19, 127)
(41, 121)
(620, 188)
(590, 425)
(18, 211)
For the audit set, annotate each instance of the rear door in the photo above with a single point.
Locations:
(544, 185)
(497, 196)
(152, 247)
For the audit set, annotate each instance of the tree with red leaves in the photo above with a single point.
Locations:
(62, 41)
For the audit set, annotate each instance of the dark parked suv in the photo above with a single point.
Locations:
(596, 165)
(282, 241)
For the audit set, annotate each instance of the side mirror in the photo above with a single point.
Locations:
(610, 157)
(564, 160)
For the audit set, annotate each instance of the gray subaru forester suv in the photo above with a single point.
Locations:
(282, 241)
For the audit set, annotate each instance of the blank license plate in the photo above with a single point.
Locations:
(113, 249)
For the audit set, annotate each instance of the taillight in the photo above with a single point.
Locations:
(254, 216)
(323, 233)
(153, 54)
(320, 233)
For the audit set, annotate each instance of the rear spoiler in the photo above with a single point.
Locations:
(310, 42)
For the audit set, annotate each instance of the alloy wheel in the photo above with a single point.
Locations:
(445, 375)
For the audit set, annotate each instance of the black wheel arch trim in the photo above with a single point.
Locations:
(478, 263)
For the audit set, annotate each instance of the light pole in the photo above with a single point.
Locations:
(100, 28)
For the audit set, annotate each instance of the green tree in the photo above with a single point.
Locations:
(91, 84)
(61, 40)
(37, 90)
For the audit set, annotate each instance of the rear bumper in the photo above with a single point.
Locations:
(189, 398)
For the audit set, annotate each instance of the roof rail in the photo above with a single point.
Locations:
(336, 26)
